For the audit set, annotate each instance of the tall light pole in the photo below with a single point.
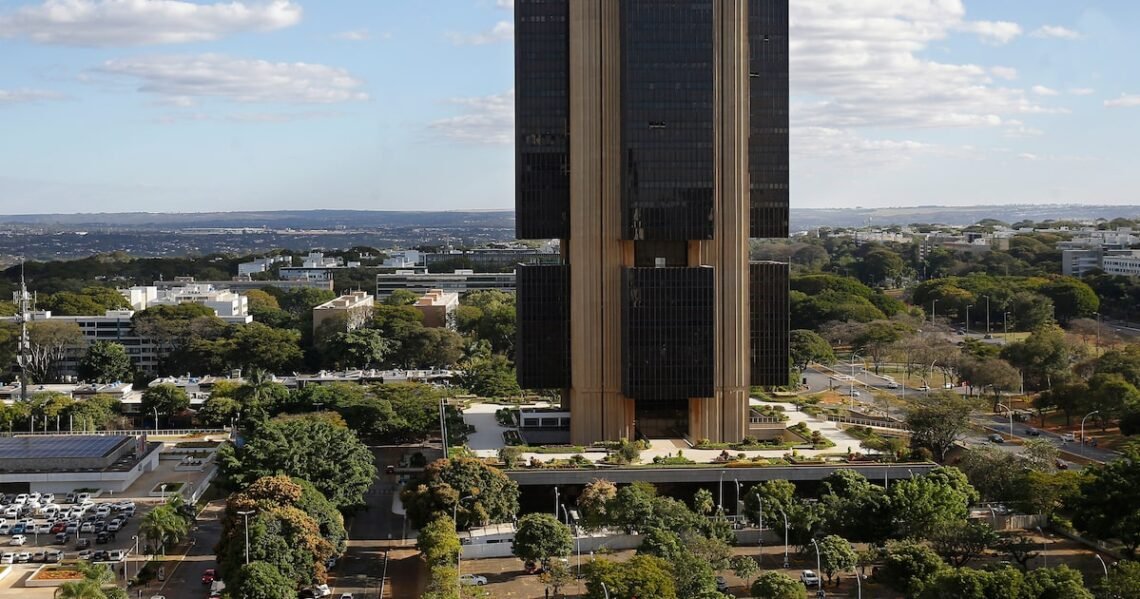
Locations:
(931, 379)
(156, 420)
(988, 331)
(605, 590)
(459, 554)
(1008, 409)
(1005, 325)
(1044, 548)
(786, 563)
(818, 566)
(720, 491)
(556, 503)
(162, 488)
(1083, 429)
(852, 394)
(1102, 565)
(443, 429)
(245, 514)
(737, 505)
(858, 581)
(968, 319)
(136, 540)
(933, 305)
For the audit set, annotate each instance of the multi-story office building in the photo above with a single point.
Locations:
(652, 139)
(345, 313)
(460, 281)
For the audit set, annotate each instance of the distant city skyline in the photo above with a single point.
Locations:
(176, 106)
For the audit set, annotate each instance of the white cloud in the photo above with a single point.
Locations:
(356, 35)
(181, 80)
(485, 119)
(1007, 73)
(863, 64)
(1029, 157)
(507, 4)
(503, 31)
(992, 32)
(1041, 90)
(1081, 91)
(142, 22)
(1057, 32)
(1124, 102)
(247, 117)
(26, 96)
(832, 143)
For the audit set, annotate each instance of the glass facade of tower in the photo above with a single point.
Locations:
(768, 113)
(667, 134)
(542, 136)
(542, 350)
(667, 333)
(768, 320)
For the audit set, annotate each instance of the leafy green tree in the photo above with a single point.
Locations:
(694, 577)
(881, 267)
(806, 347)
(445, 482)
(836, 555)
(105, 362)
(967, 583)
(910, 566)
(285, 538)
(923, 504)
(260, 394)
(640, 576)
(1072, 297)
(401, 297)
(557, 576)
(632, 507)
(1061, 582)
(961, 542)
(50, 343)
(258, 346)
(995, 374)
(938, 420)
(540, 537)
(1019, 548)
(595, 503)
(703, 503)
(98, 412)
(438, 542)
(1045, 357)
(219, 411)
(744, 566)
(260, 580)
(164, 525)
(1123, 581)
(1047, 492)
(854, 508)
(332, 458)
(1070, 397)
(281, 491)
(996, 475)
(1105, 491)
(488, 377)
(1111, 396)
(777, 585)
(489, 315)
(360, 348)
(166, 398)
(662, 543)
(1029, 311)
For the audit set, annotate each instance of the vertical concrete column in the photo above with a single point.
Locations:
(598, 409)
(725, 416)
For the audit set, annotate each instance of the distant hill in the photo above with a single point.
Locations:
(297, 219)
(801, 219)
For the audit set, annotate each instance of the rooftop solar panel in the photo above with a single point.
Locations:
(58, 447)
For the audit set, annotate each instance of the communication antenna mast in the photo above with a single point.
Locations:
(23, 299)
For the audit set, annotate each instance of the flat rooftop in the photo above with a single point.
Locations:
(64, 447)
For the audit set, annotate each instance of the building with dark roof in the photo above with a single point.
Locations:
(63, 463)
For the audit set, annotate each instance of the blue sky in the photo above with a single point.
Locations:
(171, 105)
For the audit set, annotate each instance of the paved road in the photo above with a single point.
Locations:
(185, 580)
(363, 566)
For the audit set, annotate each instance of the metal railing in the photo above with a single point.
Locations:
(175, 432)
(868, 422)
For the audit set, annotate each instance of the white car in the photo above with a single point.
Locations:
(892, 385)
(1069, 438)
(18, 540)
(103, 511)
(44, 528)
(473, 580)
(21, 499)
(87, 527)
(8, 558)
(809, 578)
(322, 590)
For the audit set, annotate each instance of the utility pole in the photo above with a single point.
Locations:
(24, 351)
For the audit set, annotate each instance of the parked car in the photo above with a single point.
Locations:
(721, 584)
(209, 575)
(83, 543)
(102, 538)
(1062, 464)
(809, 578)
(472, 580)
(18, 540)
(23, 557)
(1068, 438)
(7, 558)
(1032, 432)
(996, 438)
(61, 538)
(53, 556)
(322, 590)
(892, 385)
(85, 554)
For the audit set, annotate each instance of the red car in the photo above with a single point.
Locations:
(208, 576)
(59, 527)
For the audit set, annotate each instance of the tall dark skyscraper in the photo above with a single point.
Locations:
(652, 139)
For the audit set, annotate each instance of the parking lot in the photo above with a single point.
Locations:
(53, 529)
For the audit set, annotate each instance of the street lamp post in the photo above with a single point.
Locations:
(1005, 325)
(136, 540)
(245, 515)
(720, 492)
(968, 320)
(786, 563)
(459, 554)
(858, 581)
(443, 429)
(852, 394)
(1044, 547)
(737, 505)
(1097, 314)
(1010, 410)
(818, 568)
(1083, 429)
(988, 331)
(1102, 565)
(162, 488)
(930, 376)
(605, 590)
(933, 306)
(155, 420)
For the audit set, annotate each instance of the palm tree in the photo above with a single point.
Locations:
(258, 393)
(164, 525)
(95, 577)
